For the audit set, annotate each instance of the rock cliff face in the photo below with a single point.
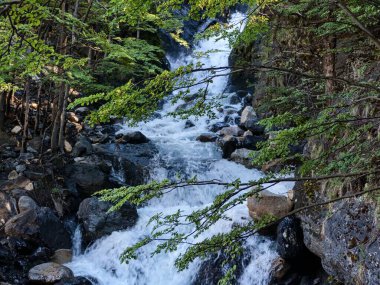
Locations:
(345, 235)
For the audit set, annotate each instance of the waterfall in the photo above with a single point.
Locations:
(180, 153)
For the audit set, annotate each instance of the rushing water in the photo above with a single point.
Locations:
(179, 152)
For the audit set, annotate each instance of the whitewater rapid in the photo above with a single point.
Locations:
(180, 153)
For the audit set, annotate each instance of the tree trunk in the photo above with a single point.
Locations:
(61, 139)
(3, 98)
(26, 116)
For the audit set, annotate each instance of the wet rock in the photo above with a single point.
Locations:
(218, 126)
(249, 142)
(234, 99)
(279, 268)
(7, 208)
(16, 130)
(207, 137)
(25, 203)
(228, 144)
(75, 281)
(66, 202)
(212, 270)
(39, 225)
(130, 162)
(189, 124)
(268, 203)
(86, 178)
(49, 272)
(243, 156)
(289, 241)
(232, 131)
(62, 256)
(97, 222)
(134, 138)
(82, 147)
(82, 111)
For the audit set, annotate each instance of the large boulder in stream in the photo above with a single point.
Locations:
(130, 162)
(97, 222)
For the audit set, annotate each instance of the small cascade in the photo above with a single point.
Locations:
(77, 241)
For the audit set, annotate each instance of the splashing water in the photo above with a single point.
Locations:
(179, 152)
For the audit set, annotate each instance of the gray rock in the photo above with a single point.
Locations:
(232, 131)
(242, 156)
(49, 272)
(135, 138)
(228, 144)
(345, 235)
(207, 137)
(7, 208)
(132, 162)
(289, 239)
(39, 225)
(82, 147)
(86, 178)
(218, 126)
(97, 222)
(247, 115)
(25, 203)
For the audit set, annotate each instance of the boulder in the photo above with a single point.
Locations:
(13, 175)
(232, 131)
(39, 225)
(25, 203)
(207, 137)
(218, 126)
(134, 138)
(86, 178)
(131, 163)
(49, 272)
(62, 256)
(16, 130)
(249, 142)
(243, 156)
(97, 222)
(268, 203)
(82, 147)
(7, 208)
(189, 124)
(289, 240)
(248, 115)
(228, 144)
